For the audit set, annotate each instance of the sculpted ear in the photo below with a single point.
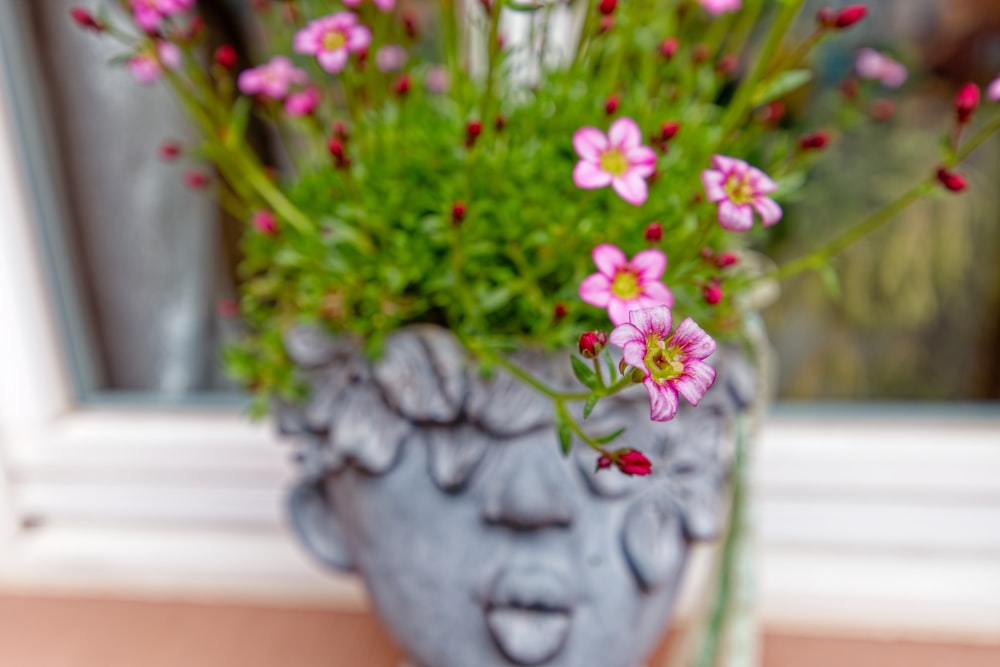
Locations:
(316, 524)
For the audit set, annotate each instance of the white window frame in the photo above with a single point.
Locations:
(885, 523)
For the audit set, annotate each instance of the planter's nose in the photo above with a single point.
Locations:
(532, 491)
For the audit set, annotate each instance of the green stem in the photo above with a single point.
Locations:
(526, 378)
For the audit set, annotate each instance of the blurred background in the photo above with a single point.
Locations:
(136, 503)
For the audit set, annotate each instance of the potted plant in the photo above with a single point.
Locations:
(507, 238)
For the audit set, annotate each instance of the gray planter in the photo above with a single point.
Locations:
(480, 544)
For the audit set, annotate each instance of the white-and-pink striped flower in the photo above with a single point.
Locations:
(272, 79)
(148, 14)
(621, 285)
(673, 361)
(870, 64)
(332, 39)
(739, 190)
(716, 7)
(147, 67)
(617, 159)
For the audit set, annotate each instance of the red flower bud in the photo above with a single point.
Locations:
(608, 6)
(410, 25)
(339, 130)
(634, 462)
(727, 65)
(654, 232)
(724, 259)
(668, 47)
(952, 181)
(473, 129)
(591, 343)
(814, 141)
(336, 147)
(607, 24)
(772, 112)
(458, 210)
(225, 56)
(612, 104)
(707, 254)
(559, 311)
(826, 18)
(848, 16)
(966, 103)
(402, 85)
(712, 293)
(883, 110)
(669, 130)
(195, 179)
(85, 19)
(500, 123)
(265, 222)
(603, 462)
(169, 150)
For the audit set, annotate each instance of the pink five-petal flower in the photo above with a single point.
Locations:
(621, 285)
(332, 39)
(716, 7)
(272, 79)
(739, 190)
(993, 91)
(617, 159)
(384, 5)
(149, 13)
(147, 67)
(673, 361)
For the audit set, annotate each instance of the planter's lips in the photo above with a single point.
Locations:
(528, 612)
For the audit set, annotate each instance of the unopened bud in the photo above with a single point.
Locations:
(668, 47)
(458, 210)
(168, 151)
(603, 462)
(814, 141)
(592, 343)
(473, 129)
(608, 6)
(225, 56)
(848, 16)
(85, 19)
(401, 87)
(612, 104)
(195, 179)
(712, 293)
(654, 232)
(724, 259)
(559, 311)
(634, 462)
(669, 130)
(951, 180)
(265, 222)
(966, 103)
(410, 25)
(607, 24)
(826, 17)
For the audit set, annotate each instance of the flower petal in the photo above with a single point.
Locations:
(589, 143)
(625, 134)
(662, 400)
(648, 265)
(698, 378)
(589, 176)
(735, 218)
(626, 333)
(761, 182)
(656, 320)
(729, 165)
(641, 156)
(332, 61)
(768, 209)
(631, 187)
(656, 294)
(596, 290)
(713, 180)
(359, 38)
(634, 354)
(609, 259)
(618, 310)
(693, 340)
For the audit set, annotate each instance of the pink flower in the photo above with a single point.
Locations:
(147, 67)
(384, 5)
(618, 159)
(673, 362)
(739, 190)
(437, 80)
(390, 58)
(993, 91)
(870, 64)
(272, 79)
(302, 103)
(149, 13)
(264, 222)
(332, 39)
(716, 7)
(621, 285)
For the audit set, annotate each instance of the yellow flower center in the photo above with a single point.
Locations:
(739, 190)
(613, 162)
(662, 361)
(333, 41)
(625, 286)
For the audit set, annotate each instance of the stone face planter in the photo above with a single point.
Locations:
(480, 543)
